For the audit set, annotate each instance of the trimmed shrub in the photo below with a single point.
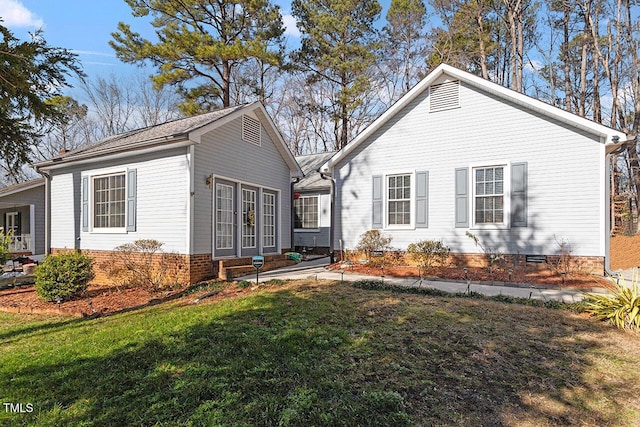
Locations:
(373, 240)
(621, 308)
(428, 253)
(60, 277)
(144, 264)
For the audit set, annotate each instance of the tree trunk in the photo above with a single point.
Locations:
(583, 60)
(482, 47)
(226, 81)
(565, 50)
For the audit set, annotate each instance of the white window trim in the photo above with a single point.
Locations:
(275, 219)
(101, 174)
(255, 220)
(215, 211)
(310, 230)
(14, 215)
(506, 224)
(412, 201)
(279, 220)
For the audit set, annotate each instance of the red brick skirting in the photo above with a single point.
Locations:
(586, 264)
(188, 269)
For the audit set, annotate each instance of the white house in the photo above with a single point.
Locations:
(209, 187)
(312, 206)
(459, 154)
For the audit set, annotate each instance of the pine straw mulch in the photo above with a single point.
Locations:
(532, 276)
(625, 252)
(106, 300)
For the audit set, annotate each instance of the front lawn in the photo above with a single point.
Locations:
(320, 353)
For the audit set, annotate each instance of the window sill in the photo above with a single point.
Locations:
(120, 230)
(400, 227)
(306, 230)
(490, 227)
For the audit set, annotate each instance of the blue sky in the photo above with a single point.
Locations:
(85, 27)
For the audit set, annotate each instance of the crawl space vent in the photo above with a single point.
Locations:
(444, 96)
(251, 130)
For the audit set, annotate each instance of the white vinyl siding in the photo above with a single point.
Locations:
(565, 193)
(161, 206)
(224, 216)
(63, 219)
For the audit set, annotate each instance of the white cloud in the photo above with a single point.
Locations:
(534, 65)
(93, 53)
(290, 27)
(14, 14)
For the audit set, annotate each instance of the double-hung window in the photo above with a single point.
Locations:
(489, 195)
(109, 201)
(306, 212)
(399, 199)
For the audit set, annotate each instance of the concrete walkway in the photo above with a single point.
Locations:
(317, 269)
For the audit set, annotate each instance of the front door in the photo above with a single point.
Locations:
(225, 221)
(250, 221)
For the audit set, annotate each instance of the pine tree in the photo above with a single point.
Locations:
(200, 44)
(338, 45)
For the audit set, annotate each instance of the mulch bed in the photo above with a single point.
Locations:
(533, 276)
(105, 300)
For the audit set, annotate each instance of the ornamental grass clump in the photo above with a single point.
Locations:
(621, 307)
(63, 276)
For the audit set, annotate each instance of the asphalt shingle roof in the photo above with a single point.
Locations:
(310, 163)
(168, 130)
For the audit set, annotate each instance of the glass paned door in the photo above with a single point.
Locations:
(224, 219)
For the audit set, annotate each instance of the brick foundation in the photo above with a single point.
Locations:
(187, 269)
(586, 264)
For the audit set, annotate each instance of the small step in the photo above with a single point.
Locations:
(228, 269)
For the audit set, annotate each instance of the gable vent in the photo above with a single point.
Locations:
(444, 96)
(251, 130)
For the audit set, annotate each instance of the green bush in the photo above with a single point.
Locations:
(622, 307)
(428, 253)
(60, 277)
(5, 243)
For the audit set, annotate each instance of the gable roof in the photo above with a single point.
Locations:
(186, 131)
(612, 138)
(310, 163)
(23, 186)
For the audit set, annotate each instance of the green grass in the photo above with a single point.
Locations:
(321, 353)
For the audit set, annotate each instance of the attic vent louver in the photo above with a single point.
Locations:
(444, 96)
(251, 130)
